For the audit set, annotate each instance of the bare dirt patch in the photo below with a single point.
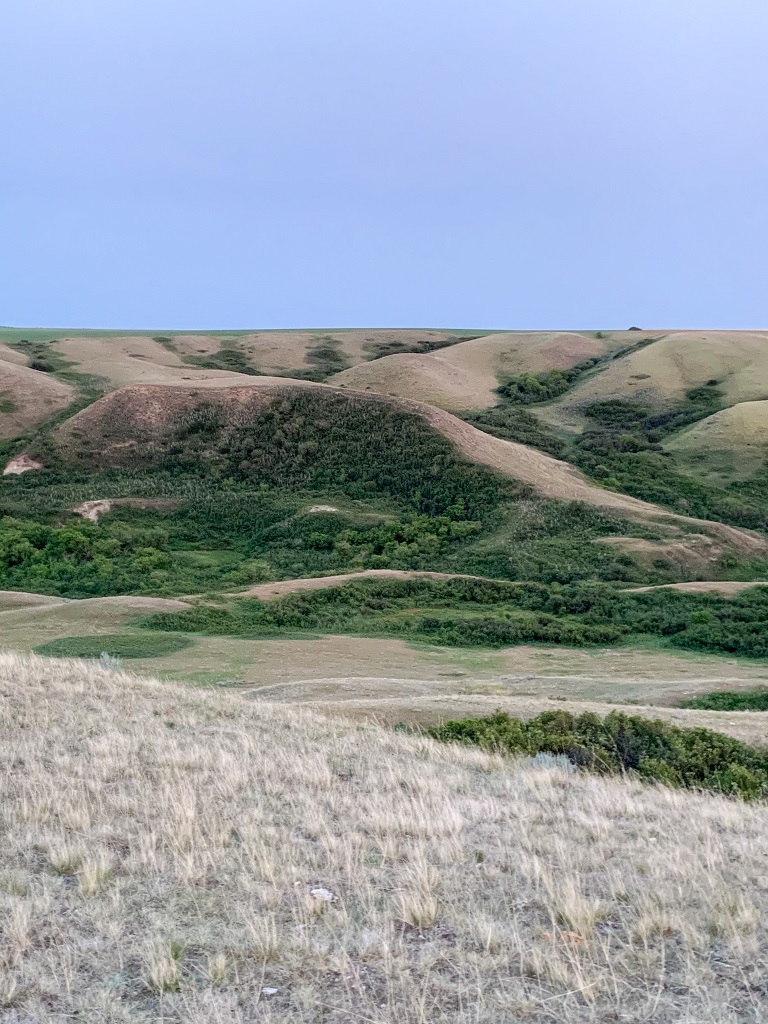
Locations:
(99, 507)
(21, 464)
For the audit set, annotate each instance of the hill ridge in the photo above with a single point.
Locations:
(550, 477)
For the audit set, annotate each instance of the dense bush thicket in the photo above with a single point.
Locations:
(618, 743)
(466, 612)
(515, 423)
(621, 447)
(319, 440)
(530, 388)
(750, 700)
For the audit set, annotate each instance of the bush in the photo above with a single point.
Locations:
(116, 645)
(619, 743)
(755, 700)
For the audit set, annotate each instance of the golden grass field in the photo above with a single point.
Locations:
(464, 376)
(138, 358)
(187, 856)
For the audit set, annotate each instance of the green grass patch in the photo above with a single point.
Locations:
(117, 645)
(624, 744)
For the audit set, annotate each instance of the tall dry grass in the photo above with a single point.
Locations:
(179, 855)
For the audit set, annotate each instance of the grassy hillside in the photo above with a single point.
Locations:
(260, 483)
(179, 855)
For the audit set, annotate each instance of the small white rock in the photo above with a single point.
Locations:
(323, 894)
(267, 991)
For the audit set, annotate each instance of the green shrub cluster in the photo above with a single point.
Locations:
(494, 613)
(531, 388)
(117, 556)
(619, 743)
(515, 423)
(754, 700)
(621, 447)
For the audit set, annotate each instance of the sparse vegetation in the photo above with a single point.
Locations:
(151, 871)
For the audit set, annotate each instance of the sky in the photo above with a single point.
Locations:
(513, 164)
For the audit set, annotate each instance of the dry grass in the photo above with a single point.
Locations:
(135, 359)
(286, 351)
(726, 587)
(184, 856)
(370, 674)
(464, 376)
(661, 373)
(28, 397)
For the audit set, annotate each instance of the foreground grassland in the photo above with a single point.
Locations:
(161, 847)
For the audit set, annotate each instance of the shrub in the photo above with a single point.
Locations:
(619, 743)
(755, 700)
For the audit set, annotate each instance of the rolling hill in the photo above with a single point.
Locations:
(214, 474)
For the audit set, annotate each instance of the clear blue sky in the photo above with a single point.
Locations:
(459, 163)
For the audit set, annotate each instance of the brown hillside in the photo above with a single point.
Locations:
(29, 397)
(134, 360)
(139, 359)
